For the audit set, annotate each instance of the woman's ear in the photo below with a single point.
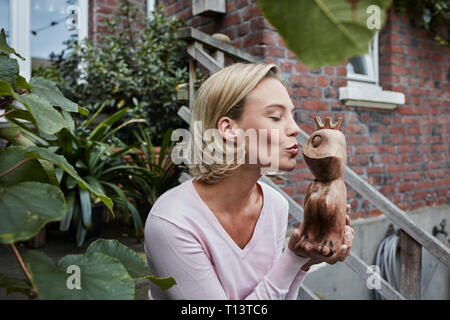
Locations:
(228, 128)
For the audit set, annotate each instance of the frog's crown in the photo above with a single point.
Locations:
(328, 124)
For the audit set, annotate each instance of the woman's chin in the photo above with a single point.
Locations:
(288, 165)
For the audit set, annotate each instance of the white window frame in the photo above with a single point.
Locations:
(364, 90)
(20, 29)
(151, 4)
(371, 59)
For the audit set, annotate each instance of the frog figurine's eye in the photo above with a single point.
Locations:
(316, 141)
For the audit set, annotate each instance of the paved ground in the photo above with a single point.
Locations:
(58, 245)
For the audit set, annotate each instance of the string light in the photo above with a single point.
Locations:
(52, 24)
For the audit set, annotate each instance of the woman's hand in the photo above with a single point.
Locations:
(316, 258)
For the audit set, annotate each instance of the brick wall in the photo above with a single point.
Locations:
(99, 10)
(402, 152)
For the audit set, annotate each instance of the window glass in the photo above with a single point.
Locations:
(4, 16)
(358, 65)
(51, 26)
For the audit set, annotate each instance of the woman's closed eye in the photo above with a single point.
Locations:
(276, 118)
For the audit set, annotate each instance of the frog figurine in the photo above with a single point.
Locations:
(325, 154)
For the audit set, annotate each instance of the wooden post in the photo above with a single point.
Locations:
(410, 267)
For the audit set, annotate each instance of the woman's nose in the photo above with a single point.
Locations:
(294, 129)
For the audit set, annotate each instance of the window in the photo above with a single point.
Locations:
(52, 23)
(363, 88)
(37, 28)
(365, 68)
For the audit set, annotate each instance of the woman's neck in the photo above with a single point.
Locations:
(235, 193)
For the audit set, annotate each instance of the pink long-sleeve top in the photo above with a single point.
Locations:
(185, 240)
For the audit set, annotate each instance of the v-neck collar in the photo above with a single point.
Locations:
(242, 252)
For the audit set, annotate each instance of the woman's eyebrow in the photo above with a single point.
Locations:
(275, 105)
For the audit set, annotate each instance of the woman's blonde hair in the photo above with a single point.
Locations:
(223, 95)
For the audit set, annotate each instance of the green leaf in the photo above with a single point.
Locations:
(83, 111)
(138, 225)
(30, 170)
(26, 207)
(49, 91)
(48, 119)
(65, 222)
(103, 126)
(86, 208)
(135, 265)
(61, 162)
(9, 69)
(101, 277)
(6, 89)
(14, 285)
(4, 46)
(21, 83)
(81, 234)
(25, 130)
(323, 32)
(163, 283)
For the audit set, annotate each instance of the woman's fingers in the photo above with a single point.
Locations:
(338, 255)
(348, 239)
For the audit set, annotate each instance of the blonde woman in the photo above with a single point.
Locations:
(221, 233)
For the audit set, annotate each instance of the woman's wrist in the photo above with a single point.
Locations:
(302, 260)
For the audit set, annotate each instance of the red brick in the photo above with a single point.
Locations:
(300, 68)
(274, 52)
(251, 12)
(302, 80)
(270, 38)
(365, 149)
(406, 187)
(315, 105)
(315, 93)
(286, 66)
(372, 170)
(301, 92)
(322, 81)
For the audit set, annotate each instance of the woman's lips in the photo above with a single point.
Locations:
(293, 150)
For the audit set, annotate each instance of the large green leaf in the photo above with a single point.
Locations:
(26, 207)
(9, 69)
(49, 91)
(61, 162)
(21, 83)
(323, 32)
(48, 119)
(6, 89)
(30, 170)
(101, 277)
(4, 46)
(135, 265)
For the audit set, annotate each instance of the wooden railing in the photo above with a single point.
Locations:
(211, 53)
